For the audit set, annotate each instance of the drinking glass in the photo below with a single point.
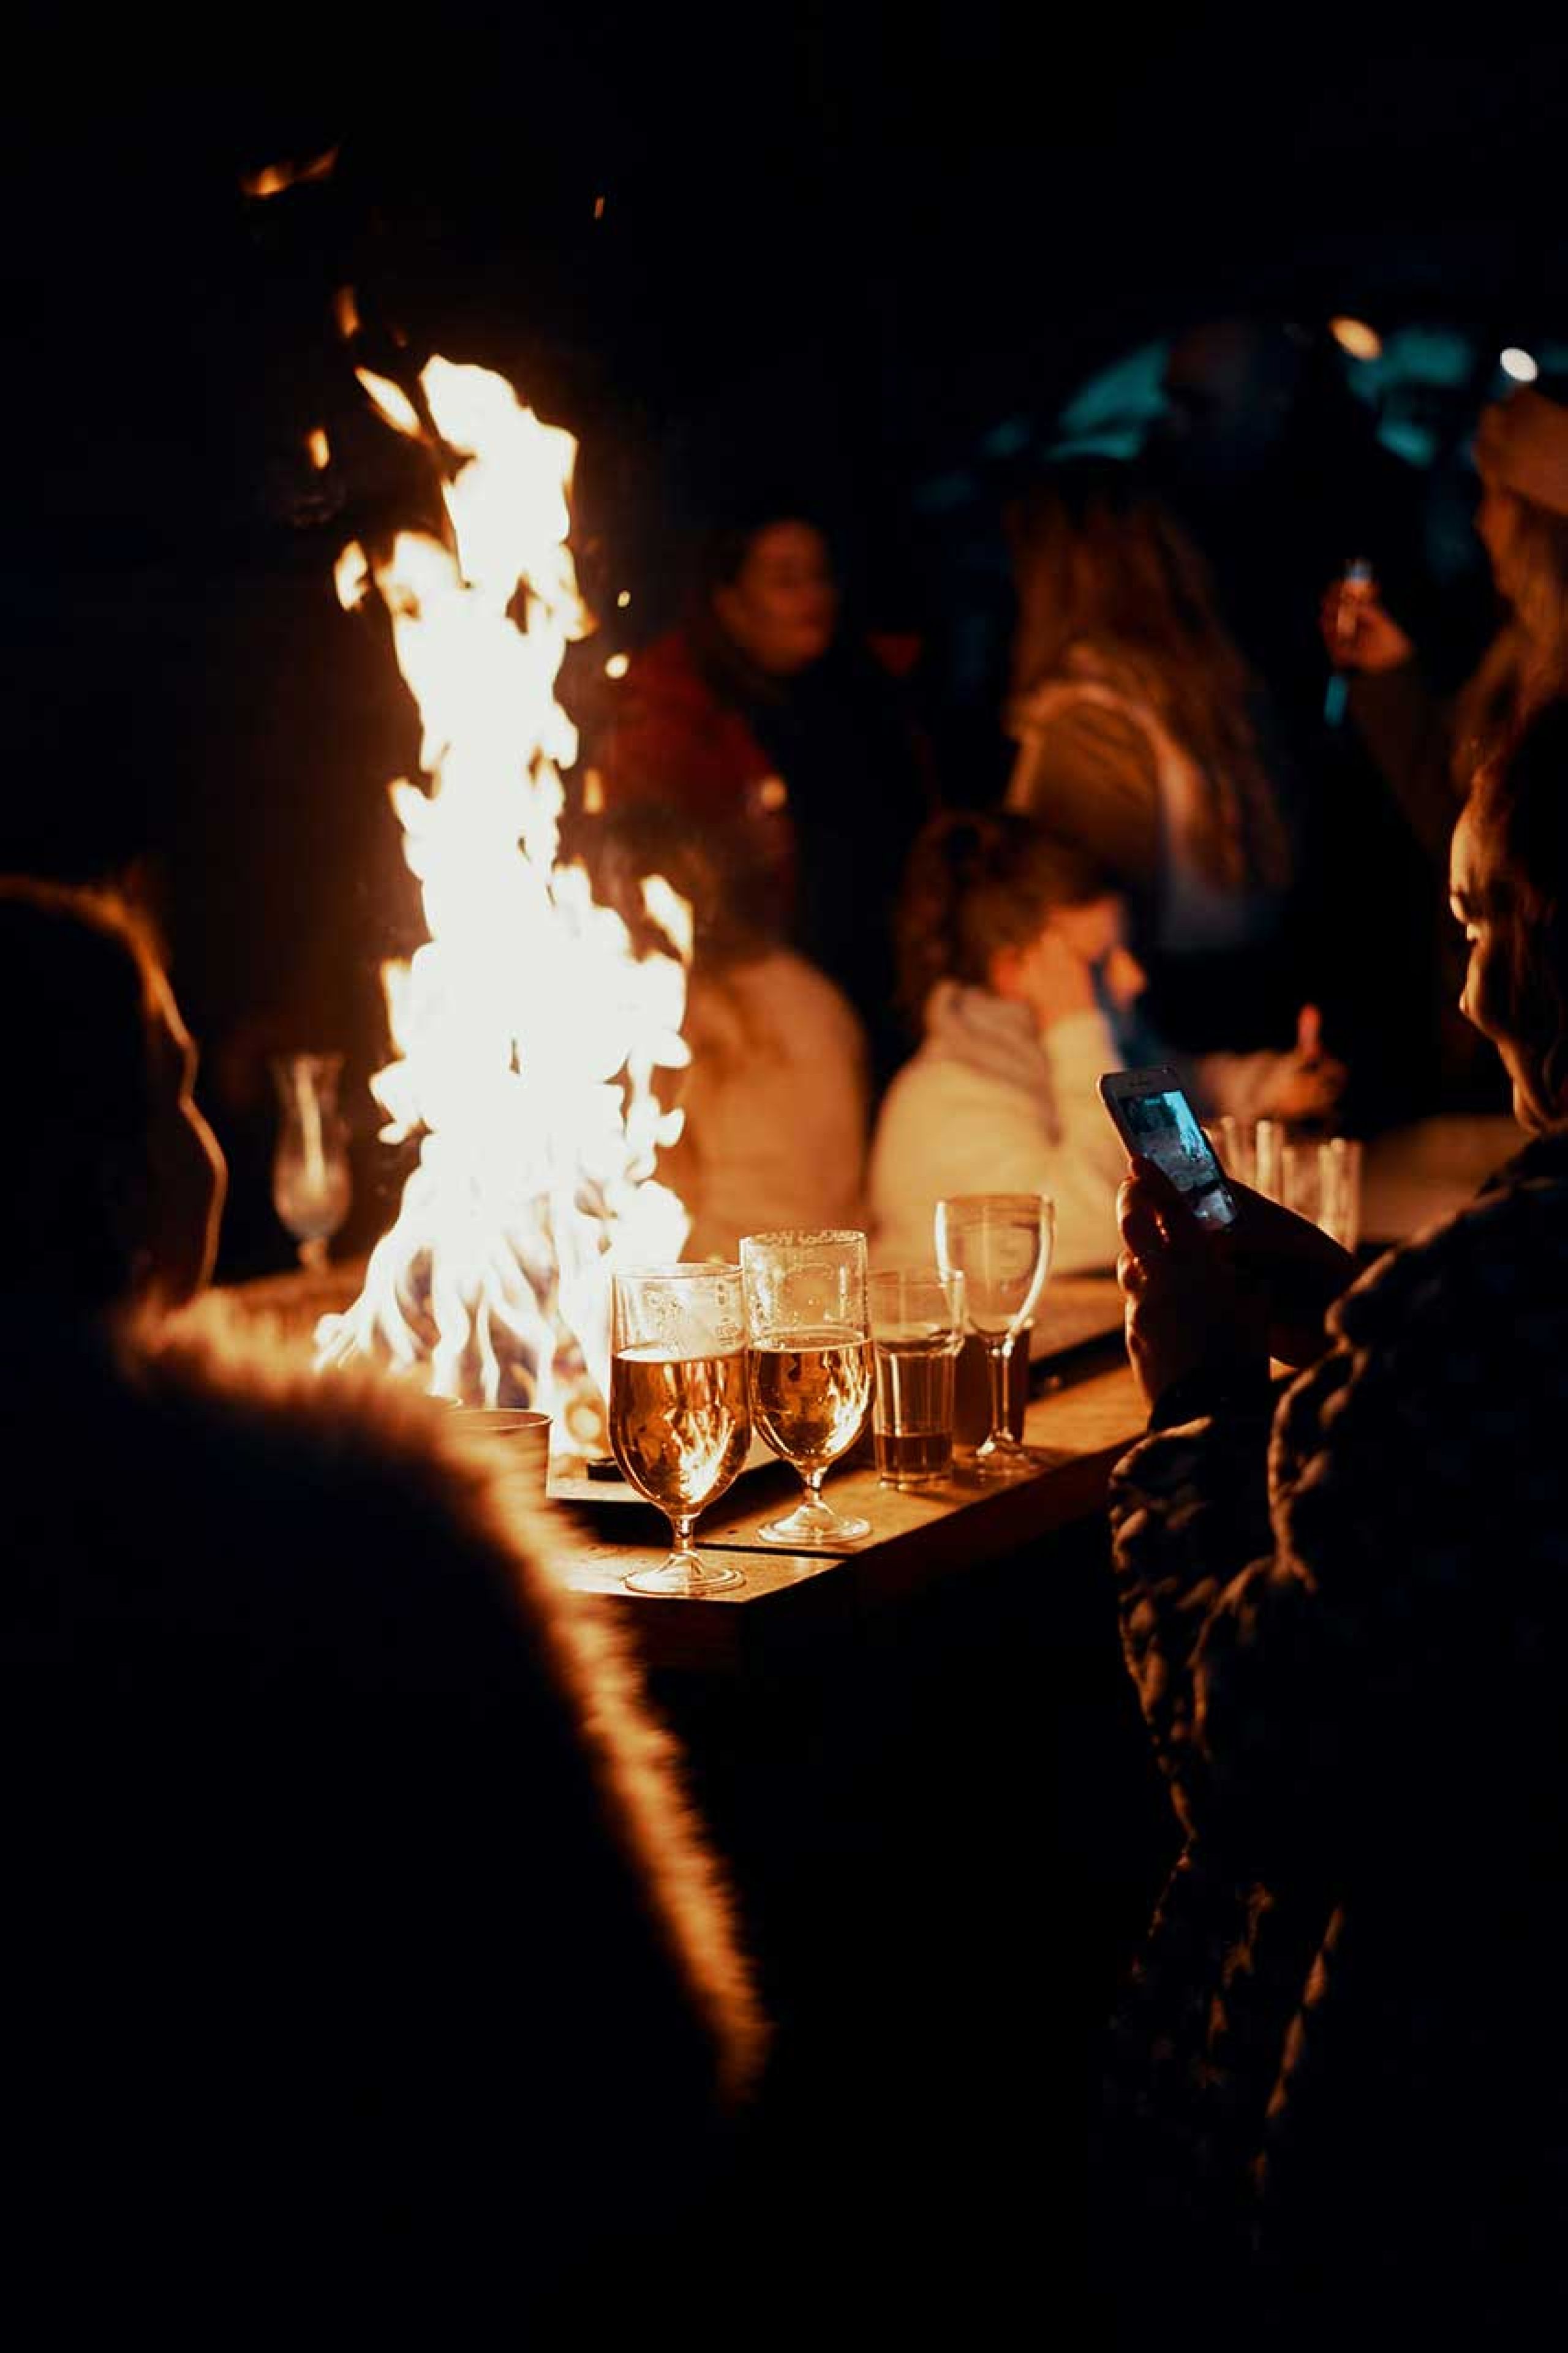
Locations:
(809, 1356)
(311, 1183)
(916, 1331)
(1252, 1151)
(680, 1423)
(1001, 1243)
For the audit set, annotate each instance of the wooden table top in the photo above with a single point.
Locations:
(790, 1601)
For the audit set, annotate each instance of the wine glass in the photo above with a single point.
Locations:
(310, 1184)
(680, 1419)
(1001, 1243)
(810, 1333)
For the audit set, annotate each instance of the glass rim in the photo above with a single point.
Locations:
(682, 1269)
(977, 1200)
(806, 1234)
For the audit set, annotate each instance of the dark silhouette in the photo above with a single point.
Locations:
(1340, 2089)
(361, 1962)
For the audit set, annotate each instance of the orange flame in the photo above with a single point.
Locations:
(527, 1029)
(273, 178)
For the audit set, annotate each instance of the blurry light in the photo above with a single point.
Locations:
(319, 449)
(1356, 338)
(347, 311)
(624, 598)
(617, 666)
(599, 209)
(273, 178)
(1518, 364)
(593, 793)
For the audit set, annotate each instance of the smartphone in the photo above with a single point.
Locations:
(1155, 1120)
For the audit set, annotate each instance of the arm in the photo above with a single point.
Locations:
(1408, 733)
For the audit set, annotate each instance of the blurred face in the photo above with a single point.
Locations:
(1094, 936)
(187, 1173)
(1481, 903)
(782, 605)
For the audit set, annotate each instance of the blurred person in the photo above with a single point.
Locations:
(762, 719)
(777, 1096)
(1275, 469)
(1426, 750)
(1016, 962)
(1424, 744)
(1141, 739)
(1338, 2081)
(355, 1924)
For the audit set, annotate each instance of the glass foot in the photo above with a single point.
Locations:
(811, 1527)
(1006, 1459)
(684, 1577)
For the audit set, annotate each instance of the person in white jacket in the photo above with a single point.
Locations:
(1013, 946)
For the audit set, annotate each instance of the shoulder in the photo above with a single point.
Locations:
(297, 1461)
(1505, 1254)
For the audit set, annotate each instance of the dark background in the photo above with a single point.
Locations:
(867, 250)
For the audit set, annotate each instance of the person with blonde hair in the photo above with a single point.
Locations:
(1140, 742)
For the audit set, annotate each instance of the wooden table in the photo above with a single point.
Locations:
(791, 1600)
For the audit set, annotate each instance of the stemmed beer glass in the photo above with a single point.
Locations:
(809, 1330)
(679, 1421)
(1001, 1243)
(310, 1181)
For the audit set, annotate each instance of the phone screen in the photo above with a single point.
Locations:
(1164, 1128)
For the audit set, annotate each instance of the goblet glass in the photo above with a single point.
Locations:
(1001, 1243)
(680, 1419)
(310, 1184)
(810, 1332)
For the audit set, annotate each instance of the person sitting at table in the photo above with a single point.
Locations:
(1339, 2083)
(1015, 959)
(765, 721)
(776, 1099)
(361, 1959)
(1140, 739)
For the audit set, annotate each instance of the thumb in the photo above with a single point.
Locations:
(1309, 1033)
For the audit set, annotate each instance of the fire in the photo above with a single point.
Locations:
(528, 1031)
(274, 179)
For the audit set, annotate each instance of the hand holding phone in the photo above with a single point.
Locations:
(1155, 1120)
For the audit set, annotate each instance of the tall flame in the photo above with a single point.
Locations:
(527, 1029)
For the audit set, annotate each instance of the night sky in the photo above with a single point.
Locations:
(842, 246)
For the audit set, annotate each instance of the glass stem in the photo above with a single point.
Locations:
(813, 1479)
(680, 1527)
(998, 1358)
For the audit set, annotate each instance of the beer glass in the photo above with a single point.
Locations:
(809, 1355)
(679, 1422)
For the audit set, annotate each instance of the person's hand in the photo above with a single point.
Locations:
(1360, 632)
(1307, 1084)
(1294, 1266)
(1188, 1305)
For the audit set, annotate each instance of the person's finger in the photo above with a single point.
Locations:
(1143, 1232)
(1151, 1179)
(1131, 1274)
